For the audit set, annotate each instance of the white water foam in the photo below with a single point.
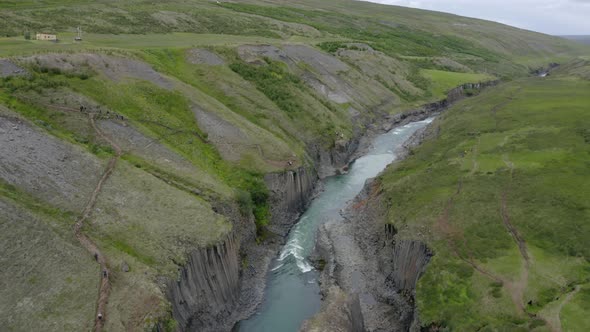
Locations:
(295, 250)
(276, 267)
(304, 266)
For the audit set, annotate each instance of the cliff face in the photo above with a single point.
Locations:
(221, 284)
(208, 287)
(408, 263)
(389, 266)
(290, 192)
(341, 312)
(403, 262)
(335, 160)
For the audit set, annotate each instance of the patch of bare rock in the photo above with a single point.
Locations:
(199, 56)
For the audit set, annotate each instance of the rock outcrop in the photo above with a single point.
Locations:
(9, 68)
(365, 259)
(335, 160)
(290, 193)
(208, 287)
(340, 313)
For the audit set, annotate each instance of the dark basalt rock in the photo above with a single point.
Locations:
(290, 193)
(208, 287)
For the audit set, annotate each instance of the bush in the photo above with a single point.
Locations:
(244, 201)
(418, 80)
(272, 80)
(331, 47)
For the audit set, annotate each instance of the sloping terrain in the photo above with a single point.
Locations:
(497, 191)
(158, 162)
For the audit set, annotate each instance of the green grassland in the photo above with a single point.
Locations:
(38, 251)
(273, 110)
(443, 81)
(522, 151)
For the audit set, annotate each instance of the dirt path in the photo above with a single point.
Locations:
(553, 315)
(104, 287)
(475, 153)
(85, 241)
(517, 288)
(453, 234)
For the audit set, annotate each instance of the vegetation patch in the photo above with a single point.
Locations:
(512, 153)
(274, 81)
(443, 81)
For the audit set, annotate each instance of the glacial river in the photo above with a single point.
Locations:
(292, 291)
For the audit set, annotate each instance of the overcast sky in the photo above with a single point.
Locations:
(556, 17)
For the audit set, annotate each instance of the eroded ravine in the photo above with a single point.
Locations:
(292, 292)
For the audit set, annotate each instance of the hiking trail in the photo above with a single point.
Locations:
(86, 242)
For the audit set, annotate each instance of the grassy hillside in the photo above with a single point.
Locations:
(186, 105)
(500, 194)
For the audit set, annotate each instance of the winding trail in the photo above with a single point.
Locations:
(86, 242)
(516, 288)
(475, 164)
(554, 321)
(452, 234)
(455, 235)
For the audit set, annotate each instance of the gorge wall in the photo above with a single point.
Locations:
(365, 259)
(290, 192)
(208, 286)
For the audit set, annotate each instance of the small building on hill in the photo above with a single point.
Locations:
(46, 36)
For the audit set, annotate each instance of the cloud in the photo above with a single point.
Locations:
(557, 17)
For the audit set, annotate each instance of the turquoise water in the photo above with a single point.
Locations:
(292, 292)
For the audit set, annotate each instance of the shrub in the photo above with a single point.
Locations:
(244, 201)
(272, 80)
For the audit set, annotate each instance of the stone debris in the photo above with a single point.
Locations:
(9, 68)
(124, 266)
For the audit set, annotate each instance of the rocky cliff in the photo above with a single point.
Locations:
(290, 192)
(208, 286)
(363, 258)
(340, 313)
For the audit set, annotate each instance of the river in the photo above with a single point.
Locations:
(292, 291)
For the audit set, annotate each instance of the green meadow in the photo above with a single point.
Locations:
(443, 81)
(519, 151)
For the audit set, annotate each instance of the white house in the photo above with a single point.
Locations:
(46, 36)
